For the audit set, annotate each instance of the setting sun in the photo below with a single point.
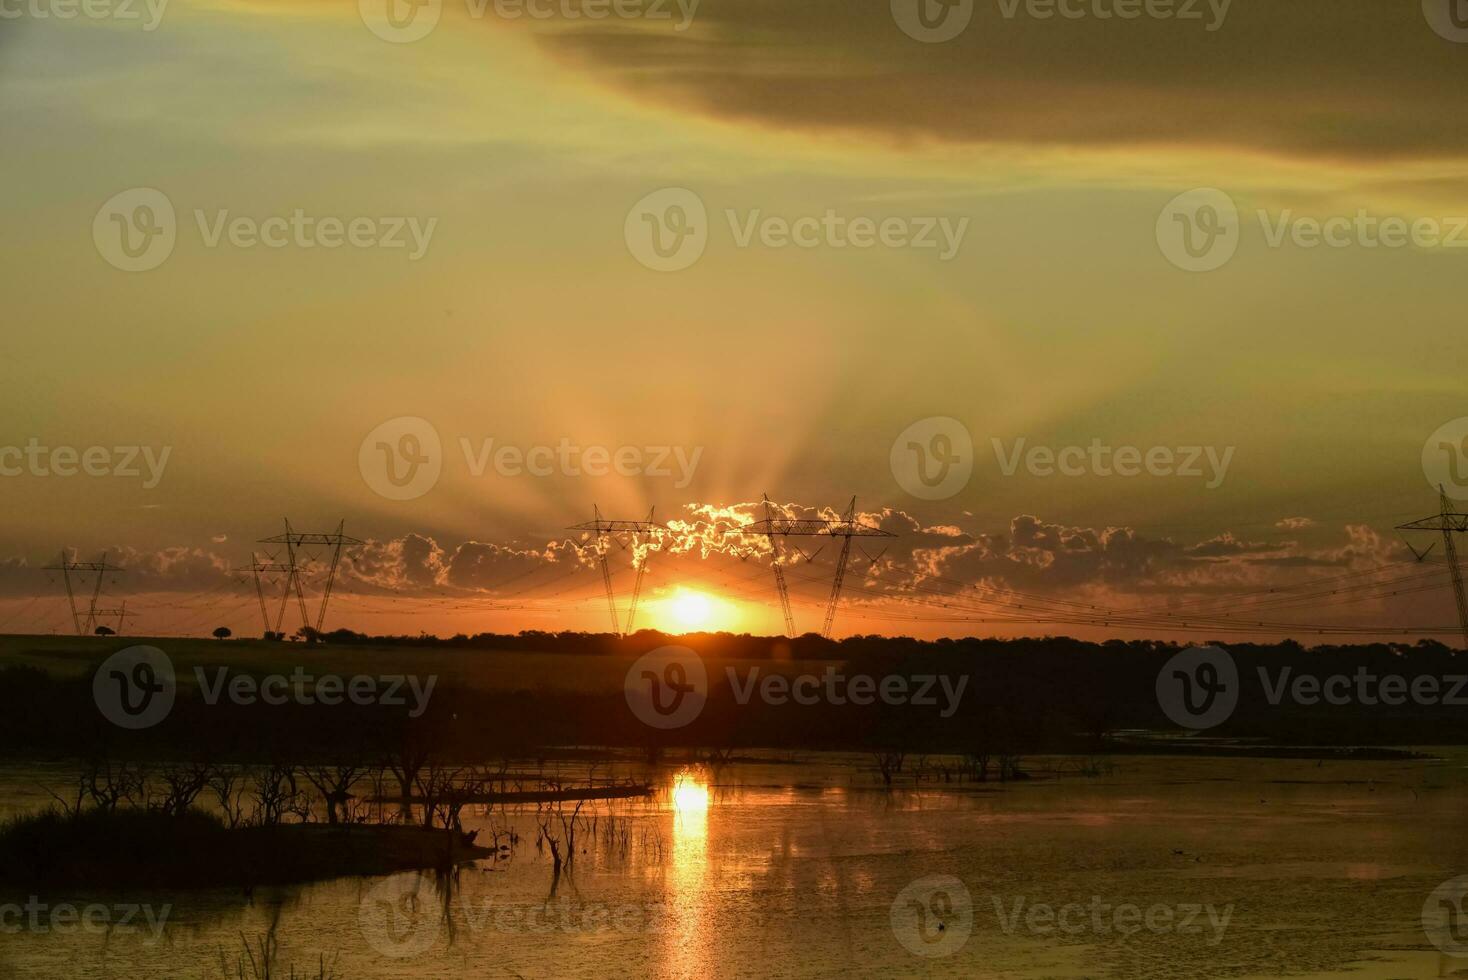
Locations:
(688, 610)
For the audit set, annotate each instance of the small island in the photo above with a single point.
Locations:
(135, 848)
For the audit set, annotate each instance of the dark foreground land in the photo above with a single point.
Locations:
(531, 695)
(140, 849)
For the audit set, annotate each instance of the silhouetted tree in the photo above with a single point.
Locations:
(335, 785)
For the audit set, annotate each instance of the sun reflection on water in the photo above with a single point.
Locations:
(686, 953)
(689, 795)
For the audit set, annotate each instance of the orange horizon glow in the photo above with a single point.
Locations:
(691, 610)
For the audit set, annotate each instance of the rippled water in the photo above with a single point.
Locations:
(811, 870)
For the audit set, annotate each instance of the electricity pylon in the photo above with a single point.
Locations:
(85, 627)
(1449, 522)
(780, 585)
(293, 540)
(610, 529)
(846, 528)
(256, 567)
(641, 571)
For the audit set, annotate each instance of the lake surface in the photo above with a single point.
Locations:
(1158, 868)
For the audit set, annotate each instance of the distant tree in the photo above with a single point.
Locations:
(222, 633)
(104, 631)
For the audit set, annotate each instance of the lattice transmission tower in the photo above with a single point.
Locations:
(846, 528)
(606, 532)
(292, 567)
(86, 623)
(1449, 522)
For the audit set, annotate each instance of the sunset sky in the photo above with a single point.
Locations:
(529, 318)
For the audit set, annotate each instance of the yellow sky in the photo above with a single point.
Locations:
(529, 320)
